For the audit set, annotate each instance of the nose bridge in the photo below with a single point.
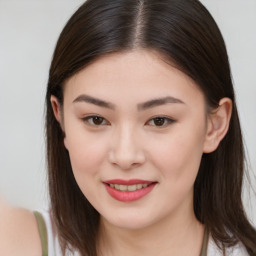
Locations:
(126, 149)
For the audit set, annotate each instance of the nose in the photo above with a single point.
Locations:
(126, 151)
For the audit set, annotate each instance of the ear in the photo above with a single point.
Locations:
(217, 125)
(56, 108)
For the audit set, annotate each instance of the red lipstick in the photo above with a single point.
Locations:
(128, 182)
(128, 190)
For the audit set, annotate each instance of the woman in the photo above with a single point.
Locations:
(145, 153)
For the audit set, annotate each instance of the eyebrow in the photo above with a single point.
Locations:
(158, 102)
(142, 106)
(95, 101)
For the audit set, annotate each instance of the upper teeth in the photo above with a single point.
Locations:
(128, 187)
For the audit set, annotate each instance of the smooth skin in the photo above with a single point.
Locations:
(18, 232)
(126, 134)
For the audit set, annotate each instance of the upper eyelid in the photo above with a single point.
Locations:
(162, 116)
(92, 115)
(170, 120)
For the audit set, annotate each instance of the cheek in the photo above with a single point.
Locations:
(87, 155)
(86, 151)
(179, 155)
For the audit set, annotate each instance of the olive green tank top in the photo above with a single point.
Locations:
(42, 232)
(44, 240)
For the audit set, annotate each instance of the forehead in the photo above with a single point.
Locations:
(136, 74)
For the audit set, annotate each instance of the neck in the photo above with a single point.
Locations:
(177, 235)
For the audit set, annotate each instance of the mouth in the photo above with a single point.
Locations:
(129, 188)
(127, 191)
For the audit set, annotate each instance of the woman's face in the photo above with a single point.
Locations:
(135, 130)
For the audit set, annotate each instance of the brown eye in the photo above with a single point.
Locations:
(95, 120)
(160, 121)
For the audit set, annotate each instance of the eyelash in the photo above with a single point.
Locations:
(90, 121)
(167, 121)
(88, 118)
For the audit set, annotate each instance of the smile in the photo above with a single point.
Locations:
(127, 191)
(128, 187)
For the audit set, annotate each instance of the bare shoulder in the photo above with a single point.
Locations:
(18, 232)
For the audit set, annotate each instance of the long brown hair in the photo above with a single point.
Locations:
(185, 33)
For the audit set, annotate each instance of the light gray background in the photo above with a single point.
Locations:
(28, 33)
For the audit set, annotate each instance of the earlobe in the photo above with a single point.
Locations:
(217, 125)
(65, 143)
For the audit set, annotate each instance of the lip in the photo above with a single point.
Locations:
(128, 182)
(129, 196)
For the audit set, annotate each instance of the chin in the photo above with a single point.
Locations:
(131, 224)
(131, 221)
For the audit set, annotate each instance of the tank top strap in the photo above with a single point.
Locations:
(42, 232)
(205, 243)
